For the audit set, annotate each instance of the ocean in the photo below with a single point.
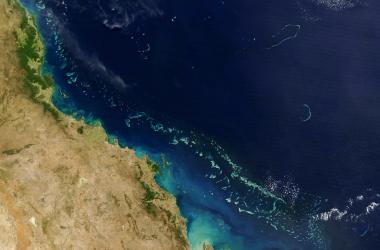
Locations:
(267, 111)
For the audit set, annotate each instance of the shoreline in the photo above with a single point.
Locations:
(40, 88)
(194, 240)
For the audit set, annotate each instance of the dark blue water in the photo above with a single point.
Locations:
(267, 110)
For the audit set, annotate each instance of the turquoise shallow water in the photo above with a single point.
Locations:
(236, 193)
(202, 192)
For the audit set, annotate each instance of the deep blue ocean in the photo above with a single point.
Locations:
(268, 111)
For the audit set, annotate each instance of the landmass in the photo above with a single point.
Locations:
(62, 184)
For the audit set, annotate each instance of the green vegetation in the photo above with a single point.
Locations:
(112, 139)
(80, 130)
(150, 195)
(179, 235)
(48, 79)
(48, 107)
(27, 51)
(12, 151)
(176, 228)
(16, 151)
(127, 201)
(153, 166)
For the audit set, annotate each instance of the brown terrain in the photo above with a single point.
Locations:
(62, 185)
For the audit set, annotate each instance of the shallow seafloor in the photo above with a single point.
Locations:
(266, 111)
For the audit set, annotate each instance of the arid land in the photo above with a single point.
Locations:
(62, 184)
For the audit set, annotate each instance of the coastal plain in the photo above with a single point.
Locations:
(62, 184)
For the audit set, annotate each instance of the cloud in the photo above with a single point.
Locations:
(337, 4)
(117, 14)
(92, 62)
(310, 9)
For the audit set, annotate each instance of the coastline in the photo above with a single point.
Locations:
(157, 205)
(204, 225)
